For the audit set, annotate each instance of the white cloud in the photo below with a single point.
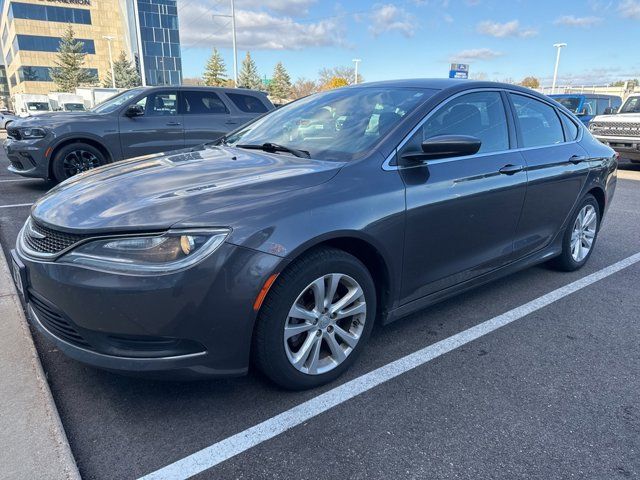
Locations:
(573, 21)
(630, 9)
(508, 29)
(475, 54)
(389, 18)
(257, 29)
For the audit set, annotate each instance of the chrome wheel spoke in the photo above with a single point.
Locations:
(314, 356)
(293, 330)
(302, 314)
(347, 337)
(334, 281)
(346, 300)
(302, 355)
(583, 233)
(337, 353)
(318, 293)
(354, 309)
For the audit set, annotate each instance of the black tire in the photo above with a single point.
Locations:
(268, 343)
(565, 261)
(82, 155)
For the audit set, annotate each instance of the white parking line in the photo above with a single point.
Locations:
(16, 205)
(7, 180)
(236, 444)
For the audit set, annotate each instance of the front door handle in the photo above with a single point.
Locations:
(173, 124)
(576, 159)
(511, 169)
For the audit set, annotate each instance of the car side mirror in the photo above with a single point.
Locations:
(444, 146)
(134, 111)
(610, 111)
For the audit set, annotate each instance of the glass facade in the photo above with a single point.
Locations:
(38, 43)
(41, 74)
(48, 13)
(160, 41)
(4, 84)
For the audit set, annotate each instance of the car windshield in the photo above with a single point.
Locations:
(74, 107)
(117, 101)
(570, 103)
(336, 125)
(38, 106)
(632, 105)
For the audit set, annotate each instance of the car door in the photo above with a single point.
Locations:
(158, 129)
(557, 167)
(206, 117)
(462, 213)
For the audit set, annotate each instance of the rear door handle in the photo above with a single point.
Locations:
(511, 169)
(173, 124)
(576, 159)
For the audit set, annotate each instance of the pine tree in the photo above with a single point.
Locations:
(68, 72)
(280, 86)
(215, 72)
(126, 75)
(248, 76)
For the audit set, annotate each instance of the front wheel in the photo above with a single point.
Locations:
(315, 320)
(75, 158)
(580, 237)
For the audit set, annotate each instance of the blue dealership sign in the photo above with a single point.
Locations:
(459, 70)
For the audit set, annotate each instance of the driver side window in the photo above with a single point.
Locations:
(159, 104)
(479, 114)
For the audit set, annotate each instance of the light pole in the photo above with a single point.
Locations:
(356, 61)
(233, 40)
(108, 38)
(559, 46)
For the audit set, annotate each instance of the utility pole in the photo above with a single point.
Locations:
(108, 38)
(235, 50)
(233, 40)
(356, 61)
(558, 46)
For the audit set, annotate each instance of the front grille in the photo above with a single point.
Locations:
(55, 322)
(45, 240)
(14, 133)
(622, 129)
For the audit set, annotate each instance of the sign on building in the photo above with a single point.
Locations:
(459, 70)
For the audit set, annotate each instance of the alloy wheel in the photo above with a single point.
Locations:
(325, 323)
(583, 233)
(78, 161)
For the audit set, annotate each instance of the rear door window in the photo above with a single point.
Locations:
(202, 102)
(160, 104)
(570, 128)
(247, 103)
(539, 122)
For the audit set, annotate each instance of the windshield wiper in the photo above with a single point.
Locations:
(274, 147)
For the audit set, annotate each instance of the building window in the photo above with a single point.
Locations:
(42, 74)
(48, 44)
(49, 13)
(5, 34)
(9, 58)
(12, 80)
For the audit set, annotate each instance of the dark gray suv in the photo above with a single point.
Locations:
(137, 122)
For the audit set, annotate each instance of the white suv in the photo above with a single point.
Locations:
(622, 130)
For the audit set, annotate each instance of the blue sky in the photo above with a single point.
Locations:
(419, 38)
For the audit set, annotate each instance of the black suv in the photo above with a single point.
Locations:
(136, 122)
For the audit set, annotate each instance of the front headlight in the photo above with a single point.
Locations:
(148, 254)
(30, 133)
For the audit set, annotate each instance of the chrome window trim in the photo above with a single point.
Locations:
(386, 165)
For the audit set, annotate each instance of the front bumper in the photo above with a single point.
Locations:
(194, 323)
(627, 147)
(27, 157)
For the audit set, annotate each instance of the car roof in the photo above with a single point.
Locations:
(204, 88)
(445, 84)
(596, 95)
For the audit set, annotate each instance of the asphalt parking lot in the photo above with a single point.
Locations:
(555, 394)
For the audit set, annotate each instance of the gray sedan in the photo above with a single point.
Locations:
(285, 244)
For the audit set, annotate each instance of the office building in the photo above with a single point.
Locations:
(146, 30)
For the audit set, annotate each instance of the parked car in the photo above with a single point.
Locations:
(587, 106)
(137, 122)
(6, 117)
(288, 251)
(621, 131)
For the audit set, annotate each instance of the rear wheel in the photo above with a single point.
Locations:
(580, 237)
(75, 158)
(315, 320)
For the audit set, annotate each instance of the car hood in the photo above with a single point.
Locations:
(154, 192)
(56, 118)
(617, 118)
